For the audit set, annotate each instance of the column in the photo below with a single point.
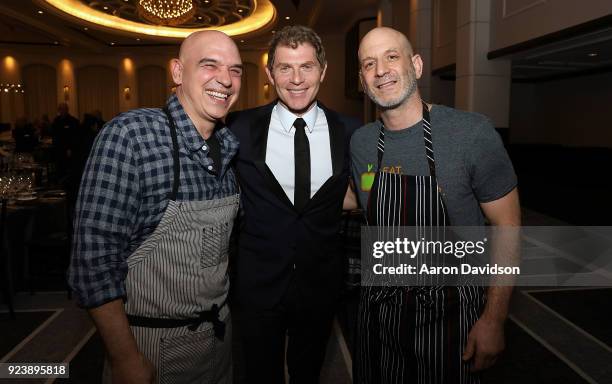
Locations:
(482, 85)
(418, 32)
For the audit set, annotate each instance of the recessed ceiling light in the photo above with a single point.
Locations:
(242, 41)
(240, 10)
(273, 32)
(199, 17)
(206, 1)
(105, 8)
(137, 39)
(287, 17)
(593, 54)
(40, 12)
(56, 42)
(112, 43)
(85, 28)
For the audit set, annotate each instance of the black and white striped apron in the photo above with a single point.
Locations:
(413, 334)
(177, 286)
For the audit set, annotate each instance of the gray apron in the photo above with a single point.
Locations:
(177, 285)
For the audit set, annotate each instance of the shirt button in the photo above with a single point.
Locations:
(204, 147)
(210, 167)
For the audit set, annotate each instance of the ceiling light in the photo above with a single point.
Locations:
(56, 42)
(105, 8)
(240, 10)
(592, 54)
(137, 39)
(287, 17)
(112, 43)
(242, 41)
(166, 12)
(85, 28)
(40, 12)
(261, 16)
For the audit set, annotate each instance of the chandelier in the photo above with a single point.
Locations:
(166, 12)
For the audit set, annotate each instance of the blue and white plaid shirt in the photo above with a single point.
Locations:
(125, 190)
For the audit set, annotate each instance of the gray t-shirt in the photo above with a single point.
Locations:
(472, 165)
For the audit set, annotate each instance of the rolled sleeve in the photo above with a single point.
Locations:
(105, 212)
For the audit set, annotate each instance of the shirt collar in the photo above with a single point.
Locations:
(192, 139)
(287, 118)
(184, 125)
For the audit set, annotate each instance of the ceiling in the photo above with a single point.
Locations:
(32, 23)
(580, 55)
(35, 23)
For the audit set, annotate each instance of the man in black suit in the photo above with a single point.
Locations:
(293, 167)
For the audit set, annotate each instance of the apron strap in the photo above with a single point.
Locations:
(428, 141)
(429, 153)
(175, 155)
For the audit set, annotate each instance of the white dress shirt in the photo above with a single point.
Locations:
(280, 148)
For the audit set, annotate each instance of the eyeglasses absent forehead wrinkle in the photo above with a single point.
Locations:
(209, 61)
(390, 55)
(305, 66)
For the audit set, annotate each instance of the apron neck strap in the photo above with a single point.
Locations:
(429, 153)
(175, 155)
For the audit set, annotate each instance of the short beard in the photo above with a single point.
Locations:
(392, 104)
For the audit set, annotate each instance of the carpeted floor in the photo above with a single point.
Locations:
(589, 309)
(525, 361)
(13, 331)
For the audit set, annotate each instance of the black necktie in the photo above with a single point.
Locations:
(302, 165)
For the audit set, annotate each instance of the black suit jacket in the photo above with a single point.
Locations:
(276, 243)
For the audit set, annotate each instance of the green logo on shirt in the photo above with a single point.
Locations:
(367, 179)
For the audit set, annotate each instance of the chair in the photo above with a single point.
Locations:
(5, 264)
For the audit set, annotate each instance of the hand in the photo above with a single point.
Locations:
(136, 370)
(485, 343)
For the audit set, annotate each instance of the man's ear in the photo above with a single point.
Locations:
(323, 72)
(362, 82)
(417, 63)
(270, 76)
(176, 67)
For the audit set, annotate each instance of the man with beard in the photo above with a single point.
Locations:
(152, 225)
(425, 165)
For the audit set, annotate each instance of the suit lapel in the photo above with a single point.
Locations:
(260, 125)
(336, 142)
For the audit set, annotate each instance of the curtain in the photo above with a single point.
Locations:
(152, 88)
(40, 83)
(98, 89)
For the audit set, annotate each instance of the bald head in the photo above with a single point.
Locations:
(389, 36)
(388, 68)
(207, 75)
(205, 38)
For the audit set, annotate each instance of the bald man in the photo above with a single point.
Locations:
(422, 166)
(153, 219)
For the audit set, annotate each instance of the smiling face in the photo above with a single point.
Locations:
(388, 69)
(296, 76)
(208, 73)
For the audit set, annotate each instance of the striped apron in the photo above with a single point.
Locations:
(413, 334)
(177, 286)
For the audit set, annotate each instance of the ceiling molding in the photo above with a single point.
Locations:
(62, 34)
(260, 20)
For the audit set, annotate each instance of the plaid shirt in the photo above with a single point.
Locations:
(125, 190)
